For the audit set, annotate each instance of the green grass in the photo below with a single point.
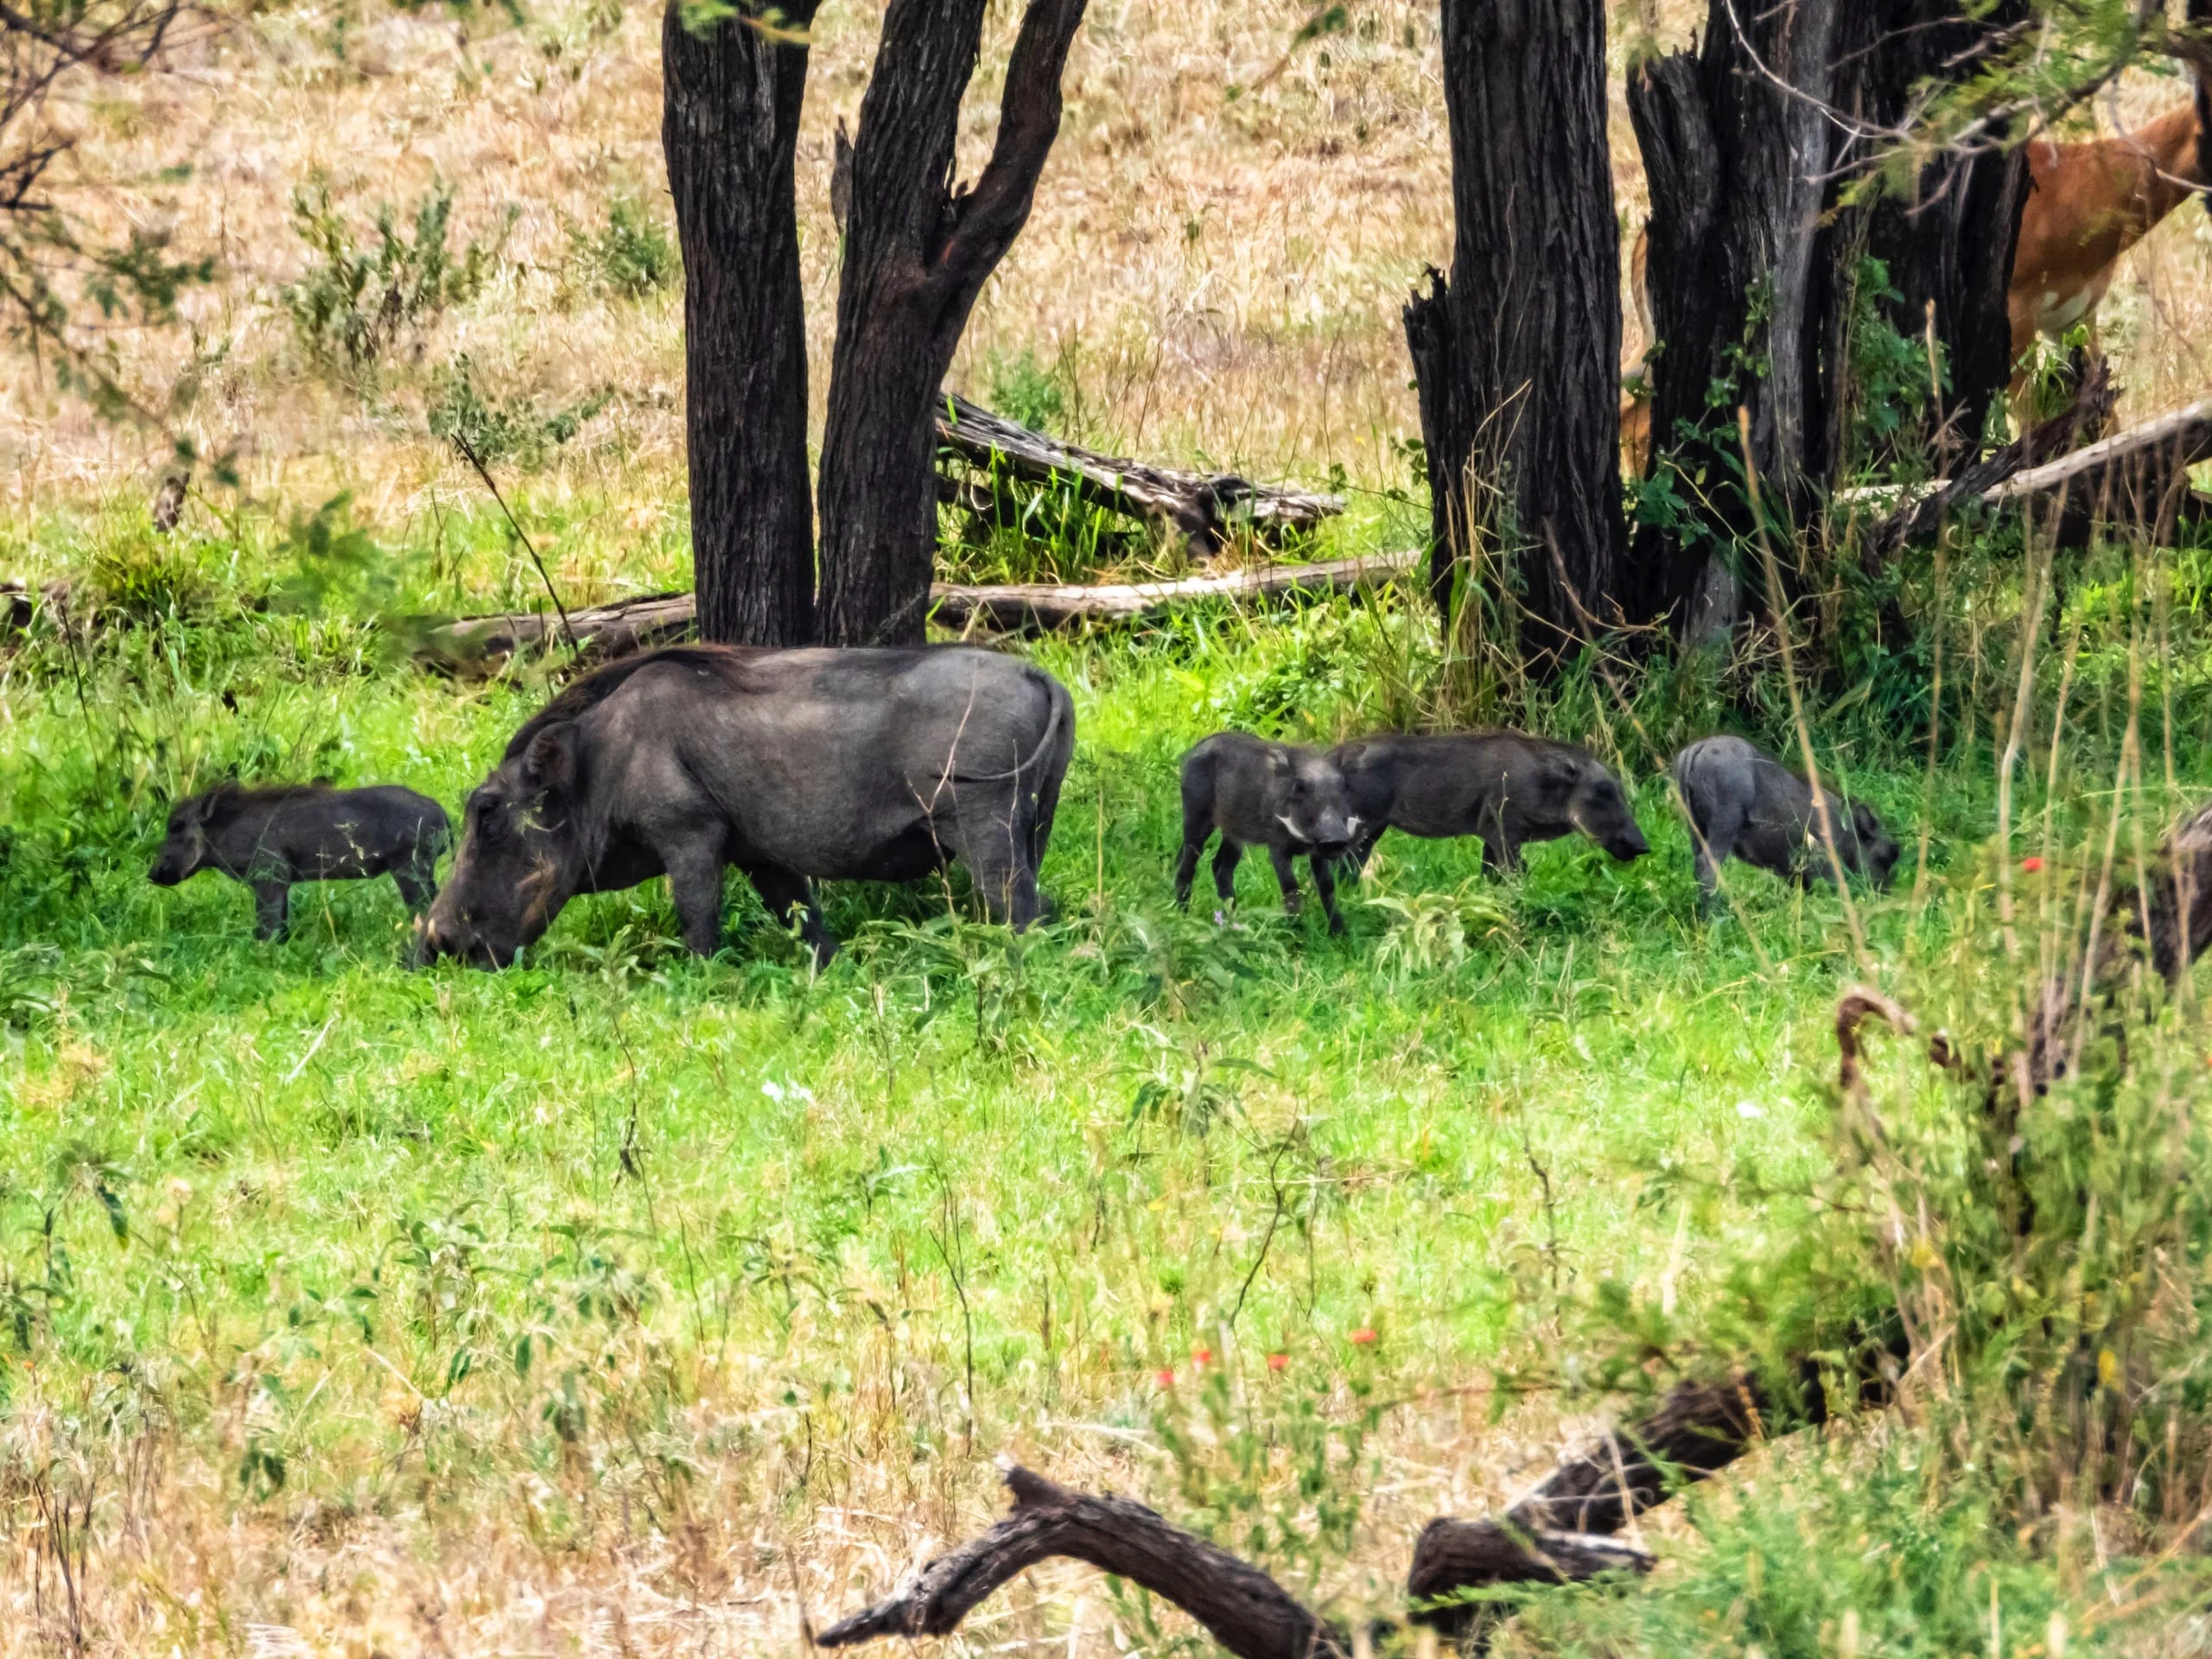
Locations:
(728, 1239)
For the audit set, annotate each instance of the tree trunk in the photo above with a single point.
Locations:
(1517, 357)
(1950, 245)
(916, 253)
(1735, 162)
(729, 125)
(1751, 281)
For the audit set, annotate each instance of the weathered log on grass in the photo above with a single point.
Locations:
(2135, 477)
(1243, 1609)
(1204, 508)
(1020, 608)
(609, 630)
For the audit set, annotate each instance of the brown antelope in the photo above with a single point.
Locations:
(2087, 204)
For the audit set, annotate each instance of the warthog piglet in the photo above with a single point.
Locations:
(270, 838)
(1289, 800)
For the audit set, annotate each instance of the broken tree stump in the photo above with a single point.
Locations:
(1204, 508)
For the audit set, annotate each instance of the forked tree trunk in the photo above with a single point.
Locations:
(916, 253)
(729, 124)
(1748, 145)
(1517, 356)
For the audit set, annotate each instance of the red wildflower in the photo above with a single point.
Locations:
(1364, 1336)
(1166, 1379)
(1202, 1356)
(2031, 865)
(1278, 1362)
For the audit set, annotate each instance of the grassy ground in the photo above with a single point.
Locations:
(625, 1303)
(622, 1301)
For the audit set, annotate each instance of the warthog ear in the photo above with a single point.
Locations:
(552, 762)
(1279, 760)
(1864, 821)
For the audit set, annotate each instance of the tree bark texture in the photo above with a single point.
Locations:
(1949, 245)
(916, 253)
(2200, 19)
(1750, 145)
(729, 127)
(1517, 356)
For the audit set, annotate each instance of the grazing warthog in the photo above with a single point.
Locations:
(1289, 800)
(793, 766)
(1507, 788)
(270, 838)
(1743, 804)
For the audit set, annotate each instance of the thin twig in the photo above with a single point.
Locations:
(468, 453)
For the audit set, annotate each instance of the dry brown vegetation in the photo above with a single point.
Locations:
(1218, 254)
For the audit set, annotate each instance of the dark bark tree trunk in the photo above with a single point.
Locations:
(1734, 161)
(729, 125)
(2200, 19)
(916, 253)
(1951, 244)
(1517, 357)
(1749, 146)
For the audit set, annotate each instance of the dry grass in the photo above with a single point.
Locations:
(1220, 269)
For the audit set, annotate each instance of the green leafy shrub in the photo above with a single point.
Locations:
(629, 257)
(353, 303)
(1029, 393)
(494, 429)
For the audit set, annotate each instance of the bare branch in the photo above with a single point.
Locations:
(1243, 1609)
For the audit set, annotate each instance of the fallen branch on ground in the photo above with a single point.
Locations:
(609, 630)
(1204, 507)
(2049, 441)
(2139, 477)
(1247, 1612)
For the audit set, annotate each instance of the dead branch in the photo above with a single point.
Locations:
(609, 630)
(1981, 480)
(1204, 507)
(1243, 1609)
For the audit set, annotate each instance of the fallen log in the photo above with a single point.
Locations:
(1921, 517)
(609, 630)
(2130, 473)
(2139, 477)
(1558, 1534)
(1243, 1609)
(1020, 608)
(1204, 508)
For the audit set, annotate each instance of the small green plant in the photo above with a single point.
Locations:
(1434, 932)
(494, 429)
(1029, 393)
(354, 303)
(629, 257)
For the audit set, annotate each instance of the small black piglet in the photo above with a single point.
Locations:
(270, 838)
(1289, 800)
(1744, 805)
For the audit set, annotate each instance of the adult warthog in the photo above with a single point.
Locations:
(880, 766)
